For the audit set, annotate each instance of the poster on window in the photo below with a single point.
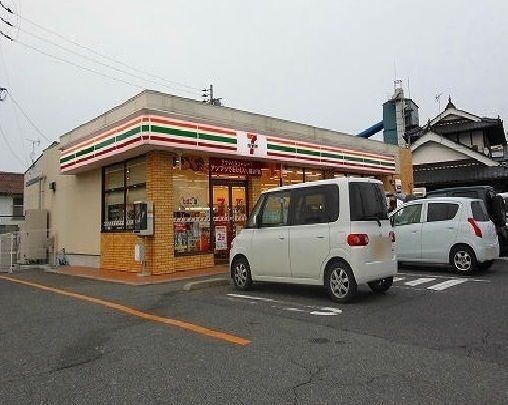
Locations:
(221, 241)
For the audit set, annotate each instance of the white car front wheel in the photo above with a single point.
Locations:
(240, 273)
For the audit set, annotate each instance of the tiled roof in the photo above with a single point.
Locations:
(11, 183)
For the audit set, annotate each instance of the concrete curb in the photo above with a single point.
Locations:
(201, 284)
(131, 283)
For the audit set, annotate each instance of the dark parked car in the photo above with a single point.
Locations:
(494, 202)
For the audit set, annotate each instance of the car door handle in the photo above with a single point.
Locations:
(414, 231)
(281, 237)
(451, 228)
(320, 236)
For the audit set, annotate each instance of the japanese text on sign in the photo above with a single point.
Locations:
(233, 166)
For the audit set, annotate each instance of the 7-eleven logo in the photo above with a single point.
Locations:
(252, 145)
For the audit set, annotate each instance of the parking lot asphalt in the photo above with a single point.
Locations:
(433, 338)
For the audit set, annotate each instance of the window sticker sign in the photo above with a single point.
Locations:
(221, 241)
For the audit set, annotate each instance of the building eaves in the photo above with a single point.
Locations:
(150, 101)
(437, 138)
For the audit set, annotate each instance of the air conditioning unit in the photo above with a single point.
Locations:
(52, 185)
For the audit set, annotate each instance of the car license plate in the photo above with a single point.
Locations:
(381, 248)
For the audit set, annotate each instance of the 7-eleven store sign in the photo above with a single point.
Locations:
(251, 144)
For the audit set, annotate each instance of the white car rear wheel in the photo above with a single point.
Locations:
(463, 260)
(340, 281)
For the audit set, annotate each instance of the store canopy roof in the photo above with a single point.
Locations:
(150, 130)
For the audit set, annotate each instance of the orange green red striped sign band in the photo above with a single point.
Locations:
(187, 135)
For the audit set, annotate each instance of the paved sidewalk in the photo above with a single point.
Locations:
(127, 278)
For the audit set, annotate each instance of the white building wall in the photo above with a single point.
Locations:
(74, 208)
(432, 152)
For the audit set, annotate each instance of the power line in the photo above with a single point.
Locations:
(6, 36)
(6, 8)
(28, 118)
(97, 61)
(79, 66)
(20, 161)
(6, 22)
(16, 113)
(102, 55)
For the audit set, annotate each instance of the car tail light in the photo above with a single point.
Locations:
(357, 239)
(476, 228)
(392, 236)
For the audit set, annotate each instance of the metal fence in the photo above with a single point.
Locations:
(25, 247)
(9, 252)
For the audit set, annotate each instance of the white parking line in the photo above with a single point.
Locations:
(419, 281)
(250, 297)
(395, 279)
(446, 284)
(447, 277)
(290, 306)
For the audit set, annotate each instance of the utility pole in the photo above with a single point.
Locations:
(35, 142)
(209, 98)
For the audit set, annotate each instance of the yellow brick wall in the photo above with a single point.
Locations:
(182, 263)
(159, 247)
(117, 249)
(117, 252)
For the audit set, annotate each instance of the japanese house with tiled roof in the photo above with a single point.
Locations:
(458, 148)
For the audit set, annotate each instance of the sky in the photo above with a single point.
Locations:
(328, 63)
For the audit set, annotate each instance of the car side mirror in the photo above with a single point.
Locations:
(257, 221)
(392, 221)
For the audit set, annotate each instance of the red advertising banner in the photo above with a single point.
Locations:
(235, 167)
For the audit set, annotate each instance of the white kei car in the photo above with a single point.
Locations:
(442, 230)
(333, 233)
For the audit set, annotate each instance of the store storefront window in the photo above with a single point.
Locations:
(123, 184)
(270, 177)
(191, 201)
(292, 175)
(313, 175)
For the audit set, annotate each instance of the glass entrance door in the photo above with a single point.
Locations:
(229, 202)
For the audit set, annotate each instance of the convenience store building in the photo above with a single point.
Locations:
(202, 167)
